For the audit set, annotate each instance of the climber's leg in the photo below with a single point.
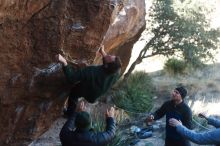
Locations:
(71, 105)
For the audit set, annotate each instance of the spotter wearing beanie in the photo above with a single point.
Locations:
(182, 91)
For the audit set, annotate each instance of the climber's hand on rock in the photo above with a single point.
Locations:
(98, 54)
(102, 51)
(61, 59)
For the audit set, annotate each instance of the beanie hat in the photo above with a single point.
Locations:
(83, 121)
(182, 91)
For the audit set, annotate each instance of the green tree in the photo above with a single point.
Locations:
(135, 94)
(182, 31)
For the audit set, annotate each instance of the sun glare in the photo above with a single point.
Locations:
(209, 108)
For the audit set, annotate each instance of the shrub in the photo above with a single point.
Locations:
(100, 125)
(199, 123)
(195, 63)
(175, 66)
(135, 94)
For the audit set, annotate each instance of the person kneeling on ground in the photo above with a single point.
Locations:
(91, 82)
(83, 135)
(209, 137)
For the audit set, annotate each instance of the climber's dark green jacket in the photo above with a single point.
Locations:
(91, 81)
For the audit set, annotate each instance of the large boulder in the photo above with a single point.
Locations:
(32, 85)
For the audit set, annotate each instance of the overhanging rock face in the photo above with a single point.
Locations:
(32, 85)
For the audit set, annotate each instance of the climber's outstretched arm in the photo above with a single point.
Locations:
(73, 75)
(61, 59)
(102, 51)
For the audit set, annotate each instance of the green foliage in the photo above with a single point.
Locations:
(195, 63)
(179, 30)
(175, 66)
(117, 141)
(183, 30)
(99, 125)
(135, 94)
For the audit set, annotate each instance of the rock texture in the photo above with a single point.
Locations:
(32, 32)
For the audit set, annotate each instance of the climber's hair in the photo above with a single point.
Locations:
(114, 66)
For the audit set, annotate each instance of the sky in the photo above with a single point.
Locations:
(156, 63)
